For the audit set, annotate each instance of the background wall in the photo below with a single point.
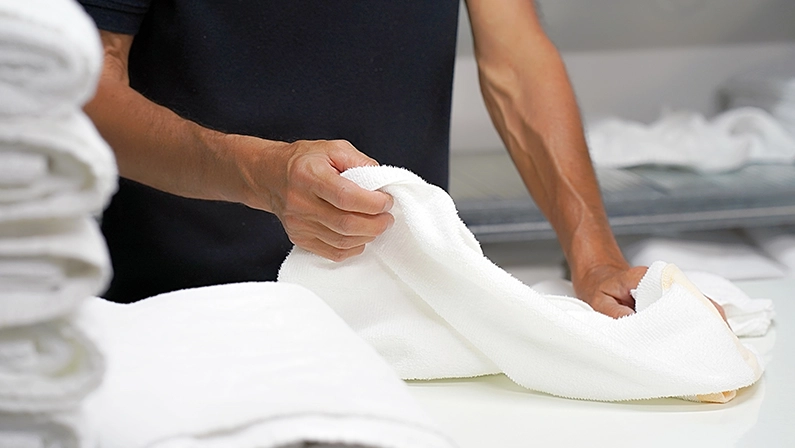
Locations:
(633, 58)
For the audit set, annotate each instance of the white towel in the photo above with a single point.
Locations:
(747, 317)
(729, 141)
(256, 365)
(48, 267)
(53, 167)
(778, 243)
(49, 366)
(428, 300)
(725, 253)
(50, 57)
(58, 430)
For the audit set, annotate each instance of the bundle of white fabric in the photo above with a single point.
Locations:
(55, 171)
(428, 300)
(769, 87)
(53, 167)
(50, 57)
(729, 141)
(250, 365)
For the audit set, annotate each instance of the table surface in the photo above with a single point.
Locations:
(494, 412)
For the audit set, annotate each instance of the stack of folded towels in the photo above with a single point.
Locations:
(55, 171)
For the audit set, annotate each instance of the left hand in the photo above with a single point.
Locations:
(606, 288)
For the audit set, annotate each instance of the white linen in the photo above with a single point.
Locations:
(428, 300)
(49, 366)
(725, 253)
(59, 430)
(731, 140)
(50, 57)
(55, 167)
(778, 243)
(255, 365)
(48, 267)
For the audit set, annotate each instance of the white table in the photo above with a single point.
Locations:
(492, 411)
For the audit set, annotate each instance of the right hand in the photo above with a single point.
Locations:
(321, 211)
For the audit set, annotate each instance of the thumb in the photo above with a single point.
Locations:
(344, 156)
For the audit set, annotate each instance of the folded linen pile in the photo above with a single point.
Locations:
(428, 300)
(55, 170)
(249, 365)
(731, 140)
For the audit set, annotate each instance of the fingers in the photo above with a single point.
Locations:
(325, 213)
(610, 307)
(720, 309)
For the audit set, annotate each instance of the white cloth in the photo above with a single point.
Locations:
(256, 365)
(50, 57)
(776, 242)
(60, 430)
(44, 367)
(428, 300)
(48, 267)
(725, 253)
(747, 317)
(731, 140)
(53, 167)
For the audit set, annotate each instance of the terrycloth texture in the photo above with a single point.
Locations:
(428, 300)
(48, 267)
(776, 242)
(45, 367)
(254, 365)
(731, 140)
(747, 317)
(62, 430)
(53, 167)
(725, 253)
(50, 57)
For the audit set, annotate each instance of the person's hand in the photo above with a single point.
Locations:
(606, 288)
(321, 211)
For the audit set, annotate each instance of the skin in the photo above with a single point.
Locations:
(529, 98)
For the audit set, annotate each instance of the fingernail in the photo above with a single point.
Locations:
(389, 203)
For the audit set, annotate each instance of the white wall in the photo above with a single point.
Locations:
(632, 58)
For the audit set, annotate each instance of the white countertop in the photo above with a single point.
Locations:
(494, 412)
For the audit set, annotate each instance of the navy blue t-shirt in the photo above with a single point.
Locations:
(375, 73)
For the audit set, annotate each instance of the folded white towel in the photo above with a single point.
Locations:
(50, 57)
(256, 365)
(776, 242)
(53, 167)
(729, 141)
(48, 267)
(61, 430)
(725, 253)
(45, 367)
(428, 300)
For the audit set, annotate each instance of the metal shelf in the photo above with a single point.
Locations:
(494, 204)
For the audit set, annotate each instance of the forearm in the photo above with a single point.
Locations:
(530, 99)
(156, 147)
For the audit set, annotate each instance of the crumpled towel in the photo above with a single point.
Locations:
(45, 367)
(428, 300)
(48, 267)
(50, 57)
(731, 140)
(53, 167)
(61, 430)
(248, 365)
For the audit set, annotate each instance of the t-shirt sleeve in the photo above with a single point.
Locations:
(118, 16)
